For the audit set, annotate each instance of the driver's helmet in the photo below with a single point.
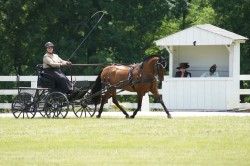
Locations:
(49, 44)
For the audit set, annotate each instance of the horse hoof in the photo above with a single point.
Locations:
(169, 116)
(132, 117)
(98, 116)
(127, 116)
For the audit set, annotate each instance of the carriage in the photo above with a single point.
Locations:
(46, 100)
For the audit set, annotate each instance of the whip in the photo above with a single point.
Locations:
(103, 13)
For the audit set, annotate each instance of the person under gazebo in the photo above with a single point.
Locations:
(212, 72)
(182, 70)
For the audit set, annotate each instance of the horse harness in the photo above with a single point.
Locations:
(139, 76)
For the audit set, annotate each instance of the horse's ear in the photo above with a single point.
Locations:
(163, 62)
(164, 58)
(167, 66)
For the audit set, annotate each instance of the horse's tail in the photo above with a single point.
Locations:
(97, 87)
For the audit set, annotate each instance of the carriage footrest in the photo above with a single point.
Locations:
(77, 94)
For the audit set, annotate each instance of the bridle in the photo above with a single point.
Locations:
(161, 63)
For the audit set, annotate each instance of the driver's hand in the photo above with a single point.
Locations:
(68, 63)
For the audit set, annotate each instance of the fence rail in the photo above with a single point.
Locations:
(146, 106)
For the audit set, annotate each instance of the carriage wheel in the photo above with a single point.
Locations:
(85, 107)
(41, 104)
(87, 110)
(23, 106)
(42, 113)
(56, 105)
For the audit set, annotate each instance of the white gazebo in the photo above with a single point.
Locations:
(202, 46)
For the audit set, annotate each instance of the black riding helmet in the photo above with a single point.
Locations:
(49, 44)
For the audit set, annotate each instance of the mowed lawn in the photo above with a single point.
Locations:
(119, 141)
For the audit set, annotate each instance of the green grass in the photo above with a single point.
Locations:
(118, 141)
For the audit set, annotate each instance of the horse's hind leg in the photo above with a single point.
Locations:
(139, 100)
(100, 110)
(104, 99)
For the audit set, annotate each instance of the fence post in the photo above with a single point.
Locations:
(145, 103)
(33, 84)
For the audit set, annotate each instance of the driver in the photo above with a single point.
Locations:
(51, 64)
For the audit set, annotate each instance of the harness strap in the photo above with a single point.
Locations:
(143, 81)
(139, 77)
(130, 73)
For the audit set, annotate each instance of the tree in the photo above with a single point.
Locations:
(234, 16)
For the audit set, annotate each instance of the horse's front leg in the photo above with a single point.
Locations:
(155, 92)
(163, 105)
(139, 101)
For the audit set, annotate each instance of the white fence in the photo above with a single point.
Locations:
(245, 91)
(146, 106)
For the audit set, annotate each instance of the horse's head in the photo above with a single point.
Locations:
(160, 66)
(157, 65)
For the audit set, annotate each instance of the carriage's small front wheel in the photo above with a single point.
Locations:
(86, 107)
(22, 106)
(41, 103)
(56, 105)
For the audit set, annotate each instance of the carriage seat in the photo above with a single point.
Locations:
(45, 80)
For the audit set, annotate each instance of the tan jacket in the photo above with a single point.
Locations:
(52, 60)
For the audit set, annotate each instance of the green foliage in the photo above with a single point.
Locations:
(126, 34)
(234, 16)
(201, 12)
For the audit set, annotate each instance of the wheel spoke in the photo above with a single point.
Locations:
(17, 115)
(20, 104)
(78, 112)
(56, 104)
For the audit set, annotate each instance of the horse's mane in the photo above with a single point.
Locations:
(149, 57)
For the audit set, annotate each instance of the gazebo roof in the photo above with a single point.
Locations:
(205, 34)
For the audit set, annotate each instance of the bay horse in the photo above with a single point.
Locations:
(140, 78)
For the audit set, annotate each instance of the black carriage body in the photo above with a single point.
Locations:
(49, 102)
(44, 80)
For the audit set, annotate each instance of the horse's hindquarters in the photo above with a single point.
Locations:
(113, 75)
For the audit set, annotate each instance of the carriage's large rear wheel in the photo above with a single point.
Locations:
(56, 105)
(22, 106)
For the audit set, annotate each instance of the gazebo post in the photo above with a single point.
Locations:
(170, 51)
(236, 75)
